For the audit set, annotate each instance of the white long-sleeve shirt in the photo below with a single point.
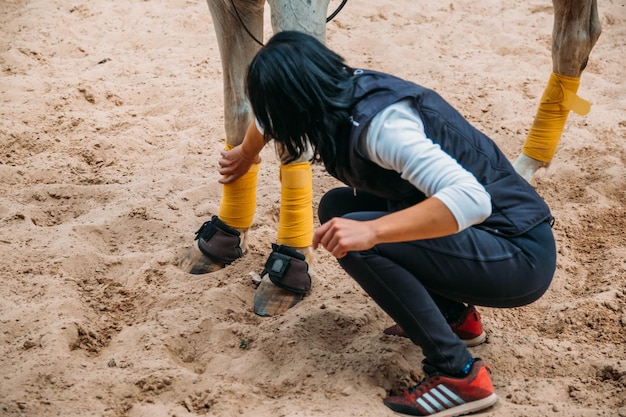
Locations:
(395, 140)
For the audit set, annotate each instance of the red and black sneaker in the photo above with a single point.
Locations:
(439, 395)
(467, 327)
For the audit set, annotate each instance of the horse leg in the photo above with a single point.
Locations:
(295, 228)
(237, 48)
(296, 219)
(575, 32)
(304, 16)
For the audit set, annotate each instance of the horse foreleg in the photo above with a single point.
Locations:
(295, 228)
(237, 48)
(304, 16)
(238, 204)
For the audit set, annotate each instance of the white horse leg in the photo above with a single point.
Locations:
(576, 30)
(237, 48)
(308, 16)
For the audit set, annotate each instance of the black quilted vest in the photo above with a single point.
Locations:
(516, 206)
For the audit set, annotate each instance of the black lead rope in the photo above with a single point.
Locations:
(336, 12)
(328, 19)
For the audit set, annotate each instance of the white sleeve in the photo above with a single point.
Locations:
(395, 140)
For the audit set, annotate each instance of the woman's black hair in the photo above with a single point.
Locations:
(300, 92)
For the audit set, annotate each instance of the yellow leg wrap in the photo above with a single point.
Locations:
(295, 226)
(239, 199)
(558, 99)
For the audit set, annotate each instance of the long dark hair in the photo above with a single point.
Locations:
(301, 92)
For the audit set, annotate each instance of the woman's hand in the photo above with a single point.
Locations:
(340, 236)
(428, 219)
(233, 164)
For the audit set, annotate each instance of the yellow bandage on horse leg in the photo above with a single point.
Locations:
(239, 199)
(557, 100)
(295, 225)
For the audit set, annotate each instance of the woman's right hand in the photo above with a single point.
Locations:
(340, 236)
(234, 164)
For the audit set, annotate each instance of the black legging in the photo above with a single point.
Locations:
(412, 280)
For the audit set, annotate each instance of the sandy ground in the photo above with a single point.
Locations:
(111, 120)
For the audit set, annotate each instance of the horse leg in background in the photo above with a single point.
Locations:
(575, 32)
(224, 239)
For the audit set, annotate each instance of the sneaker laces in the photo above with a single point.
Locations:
(424, 385)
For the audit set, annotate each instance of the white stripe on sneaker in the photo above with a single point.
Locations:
(450, 394)
(444, 399)
(425, 405)
(433, 401)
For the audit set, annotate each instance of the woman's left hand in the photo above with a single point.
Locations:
(340, 236)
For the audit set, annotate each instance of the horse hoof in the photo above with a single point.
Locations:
(271, 300)
(195, 262)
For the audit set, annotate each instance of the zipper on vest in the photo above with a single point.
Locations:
(354, 188)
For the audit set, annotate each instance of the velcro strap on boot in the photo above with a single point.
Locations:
(288, 269)
(219, 241)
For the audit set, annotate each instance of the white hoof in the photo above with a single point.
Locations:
(527, 167)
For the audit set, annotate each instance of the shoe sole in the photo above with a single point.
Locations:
(478, 340)
(461, 410)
